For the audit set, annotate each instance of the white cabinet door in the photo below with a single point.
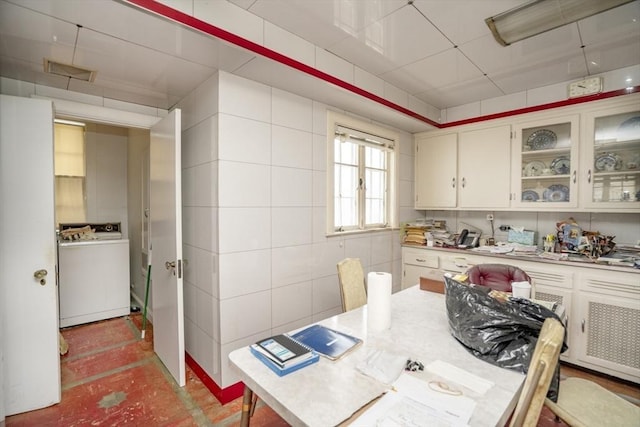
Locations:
(435, 171)
(483, 168)
(609, 334)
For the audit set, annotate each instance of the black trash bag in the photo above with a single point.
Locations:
(501, 333)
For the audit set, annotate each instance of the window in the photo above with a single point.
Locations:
(69, 170)
(361, 176)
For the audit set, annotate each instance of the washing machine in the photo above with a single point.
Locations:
(93, 273)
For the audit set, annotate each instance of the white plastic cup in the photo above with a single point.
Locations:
(521, 290)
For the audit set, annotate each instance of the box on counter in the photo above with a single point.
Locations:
(525, 237)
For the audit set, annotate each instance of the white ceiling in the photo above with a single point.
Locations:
(438, 51)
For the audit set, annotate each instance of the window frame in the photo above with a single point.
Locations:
(389, 142)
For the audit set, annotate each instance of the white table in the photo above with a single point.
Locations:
(328, 393)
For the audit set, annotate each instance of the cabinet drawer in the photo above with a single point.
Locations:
(457, 264)
(621, 284)
(419, 257)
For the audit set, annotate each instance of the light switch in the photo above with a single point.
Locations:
(585, 87)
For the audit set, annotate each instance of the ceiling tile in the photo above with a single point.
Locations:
(462, 93)
(43, 37)
(400, 38)
(551, 46)
(542, 74)
(620, 23)
(463, 21)
(444, 69)
(612, 55)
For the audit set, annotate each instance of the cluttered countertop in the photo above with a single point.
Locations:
(570, 244)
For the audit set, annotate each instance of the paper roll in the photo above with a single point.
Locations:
(378, 301)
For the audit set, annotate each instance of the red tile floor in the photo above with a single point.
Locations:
(112, 377)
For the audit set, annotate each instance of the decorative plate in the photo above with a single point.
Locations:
(542, 139)
(561, 165)
(629, 129)
(530, 196)
(534, 168)
(608, 162)
(556, 193)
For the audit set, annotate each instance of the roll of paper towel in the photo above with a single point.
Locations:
(378, 301)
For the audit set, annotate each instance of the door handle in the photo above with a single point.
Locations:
(40, 275)
(171, 265)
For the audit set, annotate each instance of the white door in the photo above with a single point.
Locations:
(165, 200)
(29, 357)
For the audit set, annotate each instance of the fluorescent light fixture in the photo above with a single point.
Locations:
(538, 16)
(68, 122)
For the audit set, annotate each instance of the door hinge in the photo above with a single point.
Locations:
(179, 268)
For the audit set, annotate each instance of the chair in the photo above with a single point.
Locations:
(584, 403)
(581, 403)
(352, 287)
(541, 371)
(496, 276)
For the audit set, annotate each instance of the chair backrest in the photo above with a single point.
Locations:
(541, 370)
(352, 287)
(496, 276)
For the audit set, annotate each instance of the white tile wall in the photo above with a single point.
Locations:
(288, 44)
(291, 187)
(251, 184)
(244, 229)
(290, 264)
(246, 140)
(290, 110)
(262, 204)
(245, 98)
(291, 226)
(245, 315)
(291, 147)
(245, 272)
(290, 303)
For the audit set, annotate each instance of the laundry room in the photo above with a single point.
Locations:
(101, 171)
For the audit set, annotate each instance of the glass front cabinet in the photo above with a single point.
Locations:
(545, 164)
(611, 175)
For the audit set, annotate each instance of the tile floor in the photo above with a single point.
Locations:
(112, 377)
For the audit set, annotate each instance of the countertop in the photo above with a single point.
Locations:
(581, 261)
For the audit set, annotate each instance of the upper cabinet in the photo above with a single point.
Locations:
(611, 177)
(583, 157)
(468, 169)
(545, 164)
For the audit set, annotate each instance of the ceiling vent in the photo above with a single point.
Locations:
(70, 71)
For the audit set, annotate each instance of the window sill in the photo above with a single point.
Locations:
(355, 232)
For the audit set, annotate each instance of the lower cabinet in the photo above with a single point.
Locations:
(607, 324)
(602, 304)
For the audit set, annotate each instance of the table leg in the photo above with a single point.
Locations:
(247, 400)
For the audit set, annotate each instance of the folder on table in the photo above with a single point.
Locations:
(327, 342)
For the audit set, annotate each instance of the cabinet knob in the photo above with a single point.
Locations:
(582, 325)
(453, 182)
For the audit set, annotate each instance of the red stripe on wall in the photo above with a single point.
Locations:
(190, 21)
(225, 395)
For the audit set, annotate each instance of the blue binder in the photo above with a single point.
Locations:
(283, 371)
(328, 342)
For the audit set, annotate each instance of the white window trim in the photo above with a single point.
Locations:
(334, 120)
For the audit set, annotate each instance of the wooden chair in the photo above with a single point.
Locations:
(541, 370)
(352, 286)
